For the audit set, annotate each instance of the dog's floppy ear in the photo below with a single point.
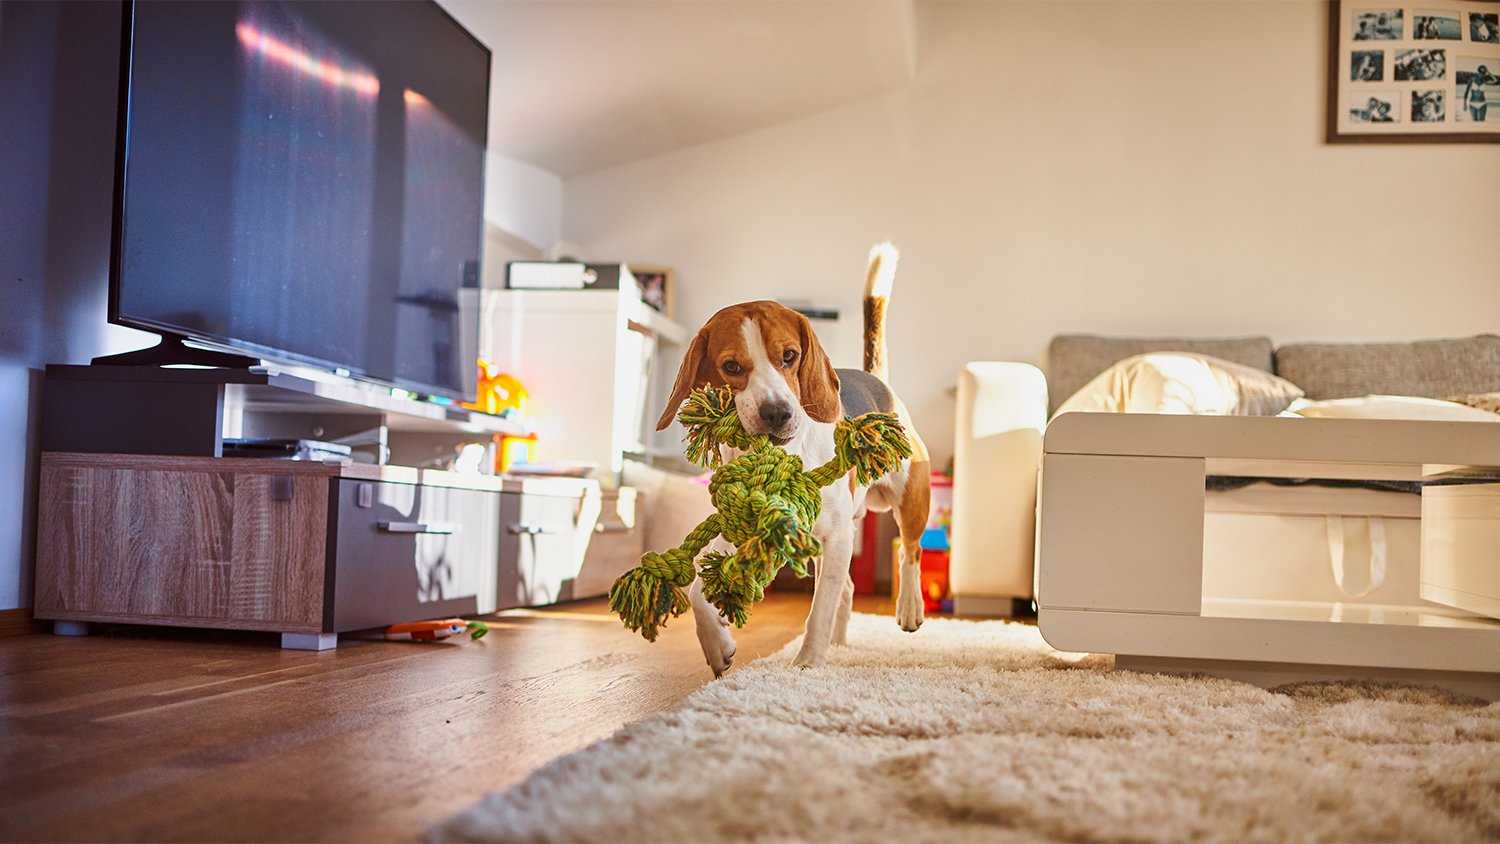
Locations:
(687, 379)
(816, 380)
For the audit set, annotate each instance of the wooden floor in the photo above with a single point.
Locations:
(145, 735)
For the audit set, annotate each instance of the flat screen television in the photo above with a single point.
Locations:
(303, 182)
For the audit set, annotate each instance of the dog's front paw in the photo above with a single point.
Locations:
(909, 610)
(718, 647)
(808, 658)
(721, 660)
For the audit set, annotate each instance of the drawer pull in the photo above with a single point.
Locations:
(530, 530)
(601, 527)
(418, 527)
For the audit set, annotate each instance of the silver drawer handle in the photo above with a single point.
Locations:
(601, 527)
(418, 527)
(530, 530)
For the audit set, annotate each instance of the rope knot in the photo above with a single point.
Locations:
(674, 566)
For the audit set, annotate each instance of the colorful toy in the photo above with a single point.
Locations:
(432, 631)
(498, 392)
(766, 506)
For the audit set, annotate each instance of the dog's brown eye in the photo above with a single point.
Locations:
(788, 357)
(732, 368)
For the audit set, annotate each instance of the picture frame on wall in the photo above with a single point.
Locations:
(656, 286)
(1419, 71)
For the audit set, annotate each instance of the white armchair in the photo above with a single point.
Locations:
(997, 449)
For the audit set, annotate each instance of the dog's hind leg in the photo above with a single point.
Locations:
(909, 612)
(713, 630)
(846, 606)
(911, 518)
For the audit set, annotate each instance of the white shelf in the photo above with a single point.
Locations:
(296, 391)
(1347, 613)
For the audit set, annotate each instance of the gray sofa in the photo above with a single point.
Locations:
(1004, 407)
(1430, 368)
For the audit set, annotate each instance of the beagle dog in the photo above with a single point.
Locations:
(785, 387)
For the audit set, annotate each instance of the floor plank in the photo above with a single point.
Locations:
(140, 734)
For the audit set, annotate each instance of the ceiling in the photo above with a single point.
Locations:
(577, 85)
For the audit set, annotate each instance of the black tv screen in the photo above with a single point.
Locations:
(303, 181)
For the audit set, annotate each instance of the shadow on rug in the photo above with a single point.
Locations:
(980, 731)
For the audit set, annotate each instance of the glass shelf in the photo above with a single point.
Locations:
(1346, 612)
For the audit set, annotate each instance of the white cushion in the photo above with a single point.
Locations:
(1392, 407)
(1178, 382)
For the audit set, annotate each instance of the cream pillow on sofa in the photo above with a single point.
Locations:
(1392, 407)
(1178, 382)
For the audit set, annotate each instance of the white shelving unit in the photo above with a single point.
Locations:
(597, 365)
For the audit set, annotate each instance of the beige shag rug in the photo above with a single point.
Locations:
(979, 731)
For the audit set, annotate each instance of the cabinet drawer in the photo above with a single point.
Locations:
(543, 540)
(616, 544)
(406, 553)
(195, 548)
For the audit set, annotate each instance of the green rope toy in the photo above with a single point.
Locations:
(766, 507)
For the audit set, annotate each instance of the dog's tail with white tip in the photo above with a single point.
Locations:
(878, 281)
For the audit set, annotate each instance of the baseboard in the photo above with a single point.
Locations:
(19, 622)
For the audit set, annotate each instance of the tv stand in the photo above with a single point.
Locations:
(141, 520)
(162, 411)
(302, 548)
(174, 350)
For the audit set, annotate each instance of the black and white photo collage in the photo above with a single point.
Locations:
(1418, 68)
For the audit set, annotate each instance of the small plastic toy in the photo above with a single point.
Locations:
(432, 631)
(498, 392)
(766, 507)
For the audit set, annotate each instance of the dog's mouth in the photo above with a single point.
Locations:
(779, 435)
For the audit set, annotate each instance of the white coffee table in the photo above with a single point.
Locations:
(1120, 551)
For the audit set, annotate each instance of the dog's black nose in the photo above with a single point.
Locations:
(775, 415)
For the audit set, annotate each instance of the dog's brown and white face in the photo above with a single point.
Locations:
(768, 355)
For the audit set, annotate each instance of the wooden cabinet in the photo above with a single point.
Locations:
(127, 539)
(140, 520)
(286, 546)
(312, 550)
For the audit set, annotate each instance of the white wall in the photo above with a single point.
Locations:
(1126, 168)
(522, 200)
(58, 71)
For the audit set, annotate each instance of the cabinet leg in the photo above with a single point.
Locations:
(309, 641)
(70, 628)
